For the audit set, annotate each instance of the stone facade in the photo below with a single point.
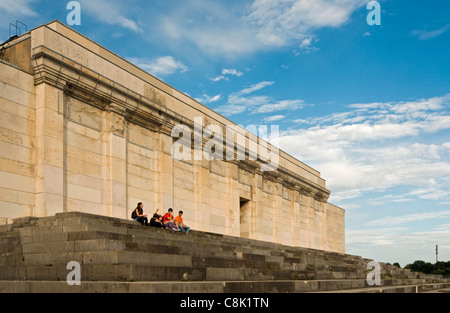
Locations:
(84, 130)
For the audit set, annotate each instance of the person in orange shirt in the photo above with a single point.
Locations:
(179, 223)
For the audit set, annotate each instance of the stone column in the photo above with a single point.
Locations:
(115, 164)
(277, 211)
(232, 196)
(256, 207)
(323, 226)
(201, 194)
(50, 134)
(294, 218)
(165, 171)
(302, 220)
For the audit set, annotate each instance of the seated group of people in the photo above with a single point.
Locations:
(167, 221)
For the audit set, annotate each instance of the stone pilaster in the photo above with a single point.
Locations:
(50, 135)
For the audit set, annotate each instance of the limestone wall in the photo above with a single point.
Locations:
(90, 132)
(17, 142)
(335, 228)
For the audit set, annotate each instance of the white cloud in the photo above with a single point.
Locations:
(205, 99)
(229, 72)
(425, 35)
(232, 72)
(443, 227)
(219, 78)
(243, 100)
(376, 236)
(396, 220)
(377, 146)
(211, 26)
(237, 28)
(282, 21)
(161, 67)
(274, 118)
(18, 7)
(112, 12)
(398, 244)
(276, 106)
(307, 45)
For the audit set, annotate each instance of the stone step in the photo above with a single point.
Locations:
(117, 272)
(75, 219)
(413, 288)
(217, 287)
(10, 243)
(90, 235)
(52, 253)
(98, 245)
(11, 260)
(27, 287)
(120, 230)
(126, 272)
(434, 286)
(226, 287)
(173, 260)
(119, 251)
(334, 273)
(13, 272)
(109, 226)
(108, 257)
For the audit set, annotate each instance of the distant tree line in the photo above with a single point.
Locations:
(439, 268)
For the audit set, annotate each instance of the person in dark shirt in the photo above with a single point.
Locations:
(139, 216)
(156, 221)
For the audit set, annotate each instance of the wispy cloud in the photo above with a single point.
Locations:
(377, 146)
(205, 99)
(213, 27)
(160, 67)
(399, 244)
(426, 34)
(18, 7)
(112, 12)
(219, 78)
(232, 72)
(307, 44)
(226, 73)
(397, 220)
(280, 22)
(237, 28)
(244, 100)
(274, 118)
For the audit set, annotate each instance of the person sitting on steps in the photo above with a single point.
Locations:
(139, 216)
(179, 223)
(169, 221)
(156, 221)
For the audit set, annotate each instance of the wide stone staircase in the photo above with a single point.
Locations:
(120, 256)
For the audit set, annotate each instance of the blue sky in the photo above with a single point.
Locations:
(367, 106)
